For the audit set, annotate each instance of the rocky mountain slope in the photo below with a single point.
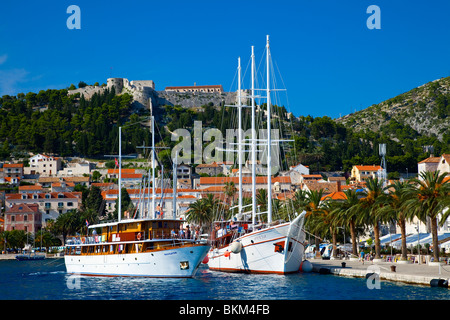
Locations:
(425, 109)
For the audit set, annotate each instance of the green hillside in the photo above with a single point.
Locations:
(53, 122)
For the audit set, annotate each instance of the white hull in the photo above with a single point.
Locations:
(259, 252)
(178, 263)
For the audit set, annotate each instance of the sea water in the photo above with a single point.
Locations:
(48, 280)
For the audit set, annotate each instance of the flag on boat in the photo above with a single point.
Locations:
(117, 163)
(87, 223)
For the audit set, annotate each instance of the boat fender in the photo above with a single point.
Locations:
(236, 247)
(205, 259)
(441, 283)
(306, 266)
(227, 254)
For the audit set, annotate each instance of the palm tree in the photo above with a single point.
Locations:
(19, 238)
(427, 197)
(46, 239)
(278, 209)
(346, 212)
(14, 239)
(230, 191)
(393, 208)
(368, 207)
(261, 199)
(4, 239)
(211, 201)
(66, 224)
(299, 200)
(313, 214)
(200, 212)
(330, 222)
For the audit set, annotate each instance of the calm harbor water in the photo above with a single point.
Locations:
(47, 280)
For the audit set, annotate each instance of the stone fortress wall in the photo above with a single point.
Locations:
(145, 95)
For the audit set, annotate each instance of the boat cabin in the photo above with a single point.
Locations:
(129, 236)
(135, 230)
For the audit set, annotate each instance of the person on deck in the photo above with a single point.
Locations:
(188, 232)
(159, 212)
(181, 233)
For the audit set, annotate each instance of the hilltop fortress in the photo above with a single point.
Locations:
(146, 96)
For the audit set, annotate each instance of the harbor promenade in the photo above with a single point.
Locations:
(419, 274)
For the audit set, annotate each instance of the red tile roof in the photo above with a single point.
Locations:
(131, 176)
(28, 188)
(245, 180)
(194, 87)
(13, 165)
(339, 195)
(312, 176)
(431, 160)
(53, 195)
(368, 168)
(208, 165)
(23, 208)
(116, 171)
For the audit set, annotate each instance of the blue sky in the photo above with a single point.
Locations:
(331, 63)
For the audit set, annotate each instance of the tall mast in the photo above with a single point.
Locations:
(119, 211)
(240, 136)
(153, 213)
(269, 141)
(174, 192)
(148, 215)
(253, 142)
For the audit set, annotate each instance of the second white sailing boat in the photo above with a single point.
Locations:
(243, 246)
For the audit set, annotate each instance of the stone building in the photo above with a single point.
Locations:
(26, 217)
(195, 88)
(211, 169)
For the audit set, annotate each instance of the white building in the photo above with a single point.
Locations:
(51, 204)
(76, 169)
(304, 170)
(444, 164)
(429, 164)
(43, 165)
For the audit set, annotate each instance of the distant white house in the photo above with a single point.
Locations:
(444, 164)
(432, 164)
(43, 165)
(76, 169)
(184, 171)
(428, 165)
(304, 170)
